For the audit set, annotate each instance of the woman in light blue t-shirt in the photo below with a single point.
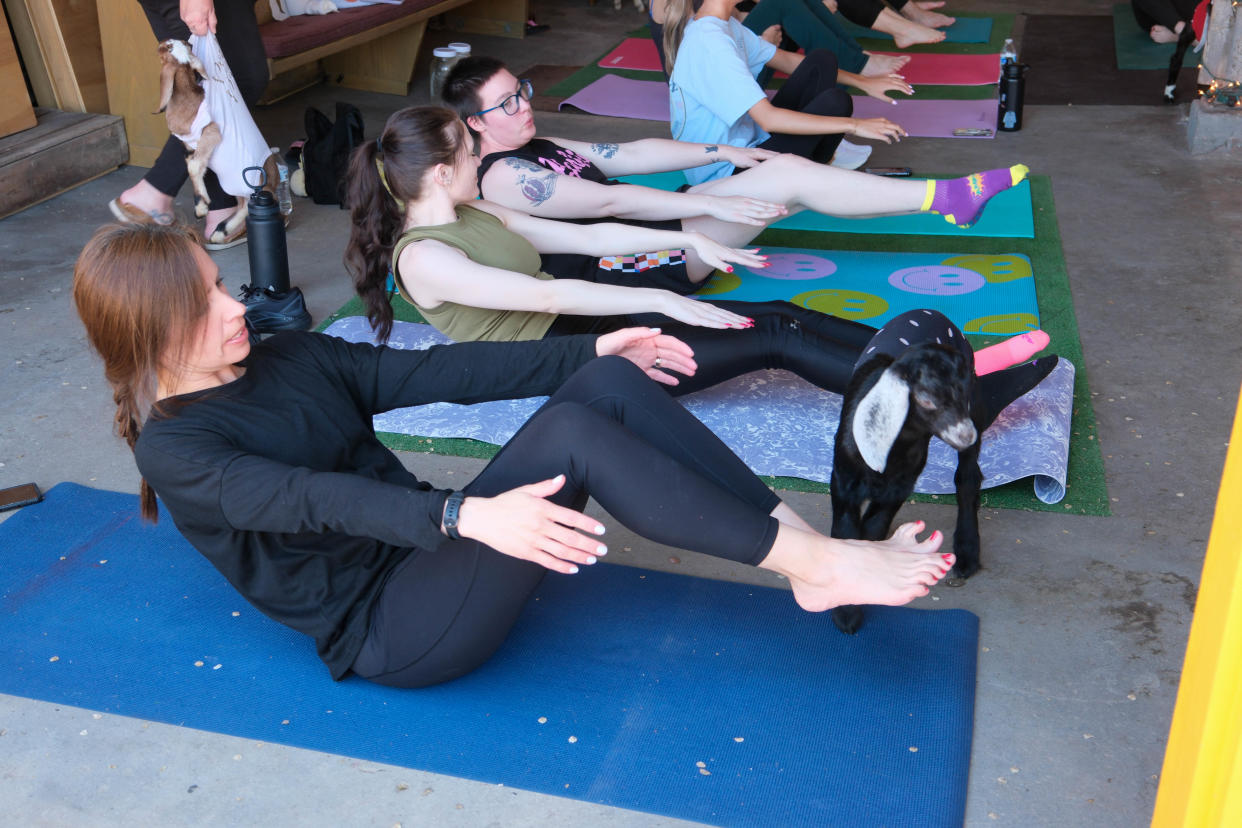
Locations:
(715, 99)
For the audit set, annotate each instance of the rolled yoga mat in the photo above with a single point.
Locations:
(1007, 215)
(963, 30)
(780, 425)
(620, 97)
(695, 699)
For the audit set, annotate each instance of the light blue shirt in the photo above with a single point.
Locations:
(713, 86)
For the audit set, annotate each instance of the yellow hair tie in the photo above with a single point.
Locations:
(379, 165)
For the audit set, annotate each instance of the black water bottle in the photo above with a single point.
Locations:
(265, 234)
(1012, 83)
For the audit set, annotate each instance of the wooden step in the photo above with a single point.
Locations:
(63, 150)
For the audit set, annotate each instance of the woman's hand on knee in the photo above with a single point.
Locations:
(523, 524)
(650, 350)
(744, 157)
(877, 86)
(740, 209)
(717, 255)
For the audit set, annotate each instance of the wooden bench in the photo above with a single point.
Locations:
(374, 48)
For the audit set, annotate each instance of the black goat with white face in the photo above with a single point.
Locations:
(892, 408)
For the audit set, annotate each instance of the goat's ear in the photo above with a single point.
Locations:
(166, 84)
(878, 418)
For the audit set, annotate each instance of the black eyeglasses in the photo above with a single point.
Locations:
(510, 104)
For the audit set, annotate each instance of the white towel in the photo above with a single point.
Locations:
(241, 145)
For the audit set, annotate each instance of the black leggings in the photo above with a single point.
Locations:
(238, 33)
(1167, 13)
(821, 349)
(813, 89)
(617, 437)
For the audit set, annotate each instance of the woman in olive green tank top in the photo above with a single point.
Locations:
(472, 269)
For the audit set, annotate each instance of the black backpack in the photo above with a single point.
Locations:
(325, 156)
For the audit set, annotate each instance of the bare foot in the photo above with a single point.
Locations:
(150, 200)
(877, 65)
(216, 220)
(828, 572)
(905, 32)
(922, 13)
(1161, 34)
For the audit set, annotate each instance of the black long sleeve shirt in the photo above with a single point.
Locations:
(279, 480)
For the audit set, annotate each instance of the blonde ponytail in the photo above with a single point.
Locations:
(677, 14)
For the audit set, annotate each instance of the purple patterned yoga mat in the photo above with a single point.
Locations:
(779, 424)
(619, 97)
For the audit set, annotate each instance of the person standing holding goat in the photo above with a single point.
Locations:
(151, 199)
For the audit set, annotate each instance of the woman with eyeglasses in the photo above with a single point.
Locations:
(472, 269)
(577, 181)
(266, 459)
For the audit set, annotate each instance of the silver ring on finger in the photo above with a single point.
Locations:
(657, 362)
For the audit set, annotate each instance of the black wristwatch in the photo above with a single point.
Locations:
(452, 511)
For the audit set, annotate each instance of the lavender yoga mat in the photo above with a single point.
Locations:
(619, 97)
(931, 119)
(637, 53)
(779, 424)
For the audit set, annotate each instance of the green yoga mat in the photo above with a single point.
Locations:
(1086, 493)
(1002, 27)
(1135, 50)
(1008, 215)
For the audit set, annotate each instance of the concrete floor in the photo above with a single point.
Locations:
(1084, 620)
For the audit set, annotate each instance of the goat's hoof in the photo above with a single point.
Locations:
(200, 208)
(848, 618)
(959, 574)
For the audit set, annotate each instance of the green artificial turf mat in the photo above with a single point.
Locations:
(1086, 492)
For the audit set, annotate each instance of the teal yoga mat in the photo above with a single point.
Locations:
(982, 293)
(964, 30)
(1135, 49)
(703, 700)
(1008, 215)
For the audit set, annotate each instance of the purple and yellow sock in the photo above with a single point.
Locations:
(961, 200)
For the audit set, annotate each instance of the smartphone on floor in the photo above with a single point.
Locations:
(15, 497)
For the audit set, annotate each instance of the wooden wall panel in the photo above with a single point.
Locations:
(67, 32)
(16, 113)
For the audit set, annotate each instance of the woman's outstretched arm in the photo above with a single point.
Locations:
(433, 273)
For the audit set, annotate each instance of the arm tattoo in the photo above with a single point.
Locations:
(710, 148)
(604, 150)
(534, 182)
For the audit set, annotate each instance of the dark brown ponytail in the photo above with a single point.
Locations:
(414, 141)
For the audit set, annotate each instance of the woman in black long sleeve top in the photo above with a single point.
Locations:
(267, 461)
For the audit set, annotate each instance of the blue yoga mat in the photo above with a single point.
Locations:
(963, 30)
(1007, 215)
(696, 699)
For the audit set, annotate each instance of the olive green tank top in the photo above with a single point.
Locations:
(485, 240)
